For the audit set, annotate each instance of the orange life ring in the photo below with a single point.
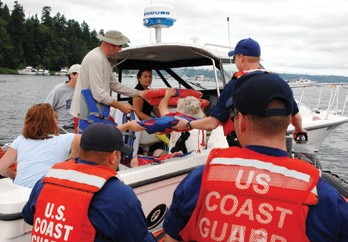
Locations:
(173, 101)
(161, 92)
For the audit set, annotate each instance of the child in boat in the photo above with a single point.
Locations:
(186, 141)
(181, 143)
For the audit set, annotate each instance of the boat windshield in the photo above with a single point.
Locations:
(198, 78)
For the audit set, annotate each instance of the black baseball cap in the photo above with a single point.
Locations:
(103, 137)
(254, 91)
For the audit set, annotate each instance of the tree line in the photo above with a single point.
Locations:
(47, 43)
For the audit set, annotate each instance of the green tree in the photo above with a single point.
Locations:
(46, 18)
(44, 43)
(4, 12)
(5, 44)
(30, 45)
(15, 30)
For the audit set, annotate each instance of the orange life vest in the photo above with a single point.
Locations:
(247, 196)
(161, 92)
(62, 206)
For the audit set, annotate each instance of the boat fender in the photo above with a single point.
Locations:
(337, 182)
(306, 153)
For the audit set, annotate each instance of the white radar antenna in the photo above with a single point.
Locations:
(159, 16)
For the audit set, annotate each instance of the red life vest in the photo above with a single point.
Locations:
(62, 206)
(247, 196)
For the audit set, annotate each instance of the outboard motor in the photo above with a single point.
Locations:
(159, 16)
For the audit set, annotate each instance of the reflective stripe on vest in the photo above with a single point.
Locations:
(247, 196)
(62, 206)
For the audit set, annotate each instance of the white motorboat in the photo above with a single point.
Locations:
(326, 112)
(300, 82)
(43, 72)
(154, 183)
(29, 70)
(63, 72)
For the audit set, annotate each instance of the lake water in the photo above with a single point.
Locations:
(19, 92)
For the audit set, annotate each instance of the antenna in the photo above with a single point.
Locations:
(159, 16)
(228, 30)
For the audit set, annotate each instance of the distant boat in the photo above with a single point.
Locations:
(63, 72)
(300, 82)
(43, 72)
(29, 70)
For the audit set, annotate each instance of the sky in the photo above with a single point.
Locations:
(296, 36)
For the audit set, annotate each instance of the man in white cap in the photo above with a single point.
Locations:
(97, 77)
(60, 98)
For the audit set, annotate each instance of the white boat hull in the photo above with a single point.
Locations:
(26, 73)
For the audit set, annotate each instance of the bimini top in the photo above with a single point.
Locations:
(167, 55)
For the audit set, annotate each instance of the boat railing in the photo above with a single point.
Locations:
(330, 97)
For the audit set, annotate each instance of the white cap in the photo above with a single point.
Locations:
(74, 68)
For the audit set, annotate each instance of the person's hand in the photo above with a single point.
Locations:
(170, 92)
(130, 125)
(133, 125)
(297, 131)
(125, 108)
(181, 125)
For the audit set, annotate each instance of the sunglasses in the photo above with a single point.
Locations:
(234, 57)
(234, 114)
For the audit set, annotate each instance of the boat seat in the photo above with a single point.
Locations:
(147, 140)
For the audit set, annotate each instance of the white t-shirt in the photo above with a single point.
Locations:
(35, 157)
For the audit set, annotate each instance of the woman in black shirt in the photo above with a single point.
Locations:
(142, 108)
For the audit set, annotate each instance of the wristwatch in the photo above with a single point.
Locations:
(188, 125)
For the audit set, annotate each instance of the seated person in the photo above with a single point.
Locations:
(192, 140)
(142, 108)
(38, 147)
(41, 145)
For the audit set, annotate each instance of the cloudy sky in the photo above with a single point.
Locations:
(296, 36)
